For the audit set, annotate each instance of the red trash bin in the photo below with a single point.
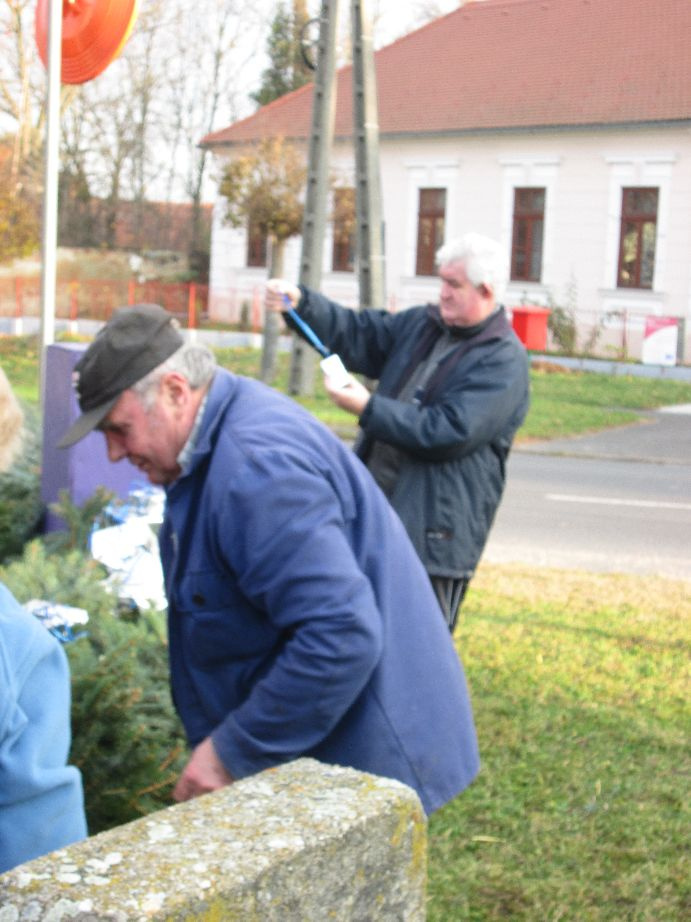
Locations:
(530, 323)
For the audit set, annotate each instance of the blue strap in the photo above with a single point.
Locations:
(306, 329)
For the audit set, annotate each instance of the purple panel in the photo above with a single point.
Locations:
(84, 466)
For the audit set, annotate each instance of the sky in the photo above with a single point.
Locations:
(391, 18)
(398, 17)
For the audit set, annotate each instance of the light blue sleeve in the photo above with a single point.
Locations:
(41, 799)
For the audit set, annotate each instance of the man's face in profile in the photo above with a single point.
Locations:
(147, 437)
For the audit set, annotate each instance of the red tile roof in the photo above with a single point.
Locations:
(514, 64)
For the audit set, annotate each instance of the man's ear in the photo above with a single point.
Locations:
(485, 290)
(175, 389)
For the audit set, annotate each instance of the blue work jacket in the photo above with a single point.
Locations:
(302, 622)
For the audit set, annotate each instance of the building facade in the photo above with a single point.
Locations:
(561, 128)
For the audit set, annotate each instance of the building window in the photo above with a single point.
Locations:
(637, 238)
(343, 252)
(256, 245)
(528, 228)
(430, 229)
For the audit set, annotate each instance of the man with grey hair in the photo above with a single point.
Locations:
(300, 620)
(452, 390)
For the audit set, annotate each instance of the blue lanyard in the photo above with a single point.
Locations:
(306, 329)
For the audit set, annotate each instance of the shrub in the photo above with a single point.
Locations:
(562, 327)
(126, 738)
(79, 521)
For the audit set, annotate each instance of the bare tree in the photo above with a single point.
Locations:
(203, 71)
(109, 129)
(20, 85)
(144, 78)
(22, 118)
(140, 122)
(265, 186)
(133, 131)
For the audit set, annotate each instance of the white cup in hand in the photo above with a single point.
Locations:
(335, 371)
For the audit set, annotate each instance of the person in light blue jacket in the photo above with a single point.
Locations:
(41, 800)
(301, 621)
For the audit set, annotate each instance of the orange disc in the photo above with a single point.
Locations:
(93, 34)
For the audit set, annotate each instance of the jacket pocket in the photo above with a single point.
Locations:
(218, 624)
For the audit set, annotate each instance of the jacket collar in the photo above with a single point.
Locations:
(221, 392)
(434, 315)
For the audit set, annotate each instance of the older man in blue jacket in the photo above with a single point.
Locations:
(301, 620)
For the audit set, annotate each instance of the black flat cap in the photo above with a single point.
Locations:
(135, 340)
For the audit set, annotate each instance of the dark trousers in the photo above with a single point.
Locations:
(449, 593)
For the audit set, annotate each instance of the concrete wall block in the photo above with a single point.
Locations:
(301, 842)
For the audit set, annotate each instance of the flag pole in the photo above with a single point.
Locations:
(50, 192)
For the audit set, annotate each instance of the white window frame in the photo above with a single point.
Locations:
(643, 171)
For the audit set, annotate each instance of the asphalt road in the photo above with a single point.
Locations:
(615, 501)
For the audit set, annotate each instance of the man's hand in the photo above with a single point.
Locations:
(353, 397)
(203, 773)
(278, 292)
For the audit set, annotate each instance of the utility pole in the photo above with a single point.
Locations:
(314, 220)
(368, 201)
(49, 234)
(370, 244)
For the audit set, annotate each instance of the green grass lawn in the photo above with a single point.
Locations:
(19, 360)
(563, 403)
(580, 685)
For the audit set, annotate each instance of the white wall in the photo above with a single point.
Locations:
(583, 172)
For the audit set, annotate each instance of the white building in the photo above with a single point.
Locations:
(560, 127)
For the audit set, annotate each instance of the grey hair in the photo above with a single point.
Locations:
(195, 362)
(11, 423)
(483, 259)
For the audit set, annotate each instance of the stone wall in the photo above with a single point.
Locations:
(301, 842)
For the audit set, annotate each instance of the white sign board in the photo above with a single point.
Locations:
(660, 341)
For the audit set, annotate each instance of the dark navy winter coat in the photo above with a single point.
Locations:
(455, 440)
(302, 622)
